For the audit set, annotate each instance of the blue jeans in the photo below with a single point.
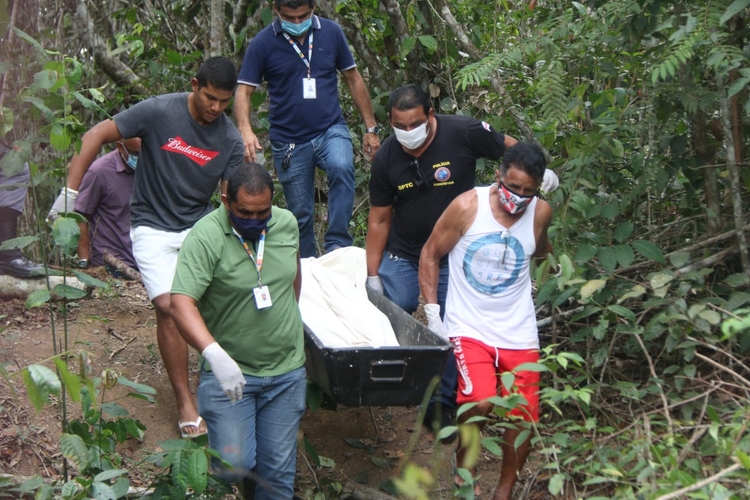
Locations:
(332, 152)
(400, 278)
(258, 432)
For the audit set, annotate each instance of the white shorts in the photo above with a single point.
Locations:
(155, 252)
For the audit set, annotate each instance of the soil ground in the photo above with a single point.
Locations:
(365, 445)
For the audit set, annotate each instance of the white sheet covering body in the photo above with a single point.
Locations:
(334, 303)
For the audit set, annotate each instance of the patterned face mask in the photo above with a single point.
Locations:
(513, 203)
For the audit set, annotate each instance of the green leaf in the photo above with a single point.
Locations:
(623, 231)
(743, 458)
(35, 395)
(38, 298)
(625, 255)
(65, 233)
(649, 250)
(90, 280)
(660, 280)
(679, 259)
(407, 46)
(114, 410)
(109, 474)
(607, 258)
(197, 471)
(73, 447)
(72, 382)
(101, 491)
(20, 242)
(622, 312)
(59, 137)
(556, 484)
(734, 9)
(142, 388)
(568, 269)
(635, 292)
(429, 42)
(28, 39)
(737, 87)
(530, 367)
(591, 287)
(48, 114)
(585, 253)
(68, 292)
(492, 444)
(711, 316)
(44, 80)
(70, 488)
(507, 379)
(44, 379)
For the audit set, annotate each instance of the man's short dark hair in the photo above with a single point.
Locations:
(251, 177)
(293, 4)
(409, 97)
(219, 72)
(525, 156)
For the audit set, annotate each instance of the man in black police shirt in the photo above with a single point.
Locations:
(417, 172)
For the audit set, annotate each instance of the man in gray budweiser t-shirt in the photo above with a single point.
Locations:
(188, 146)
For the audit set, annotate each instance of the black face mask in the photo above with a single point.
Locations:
(249, 229)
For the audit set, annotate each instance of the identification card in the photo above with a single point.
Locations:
(308, 88)
(262, 297)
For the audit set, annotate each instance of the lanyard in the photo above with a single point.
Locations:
(301, 55)
(258, 261)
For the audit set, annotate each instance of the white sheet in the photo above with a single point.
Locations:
(334, 303)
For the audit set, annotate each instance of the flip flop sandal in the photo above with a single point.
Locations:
(196, 424)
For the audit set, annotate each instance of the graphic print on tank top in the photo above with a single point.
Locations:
(493, 263)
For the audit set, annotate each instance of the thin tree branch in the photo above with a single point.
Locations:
(708, 261)
(724, 368)
(113, 67)
(700, 484)
(656, 380)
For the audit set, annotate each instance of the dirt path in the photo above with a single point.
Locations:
(362, 445)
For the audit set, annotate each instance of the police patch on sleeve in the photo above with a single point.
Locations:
(486, 126)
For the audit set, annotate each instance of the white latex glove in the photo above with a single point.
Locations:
(550, 181)
(434, 323)
(59, 205)
(375, 283)
(226, 371)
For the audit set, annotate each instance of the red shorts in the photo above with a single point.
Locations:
(479, 370)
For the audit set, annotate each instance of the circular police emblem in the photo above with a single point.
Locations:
(442, 174)
(493, 263)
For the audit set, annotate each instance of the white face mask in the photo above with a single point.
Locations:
(413, 138)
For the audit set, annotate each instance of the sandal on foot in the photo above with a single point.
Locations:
(196, 424)
(477, 489)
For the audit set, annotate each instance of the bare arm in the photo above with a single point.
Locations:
(184, 311)
(378, 227)
(449, 228)
(542, 221)
(242, 108)
(84, 242)
(361, 98)
(100, 134)
(298, 280)
(510, 141)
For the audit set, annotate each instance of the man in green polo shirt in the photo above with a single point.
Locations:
(234, 299)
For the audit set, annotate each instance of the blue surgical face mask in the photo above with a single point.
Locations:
(296, 29)
(132, 161)
(249, 229)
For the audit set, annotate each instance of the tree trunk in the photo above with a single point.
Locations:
(216, 34)
(20, 288)
(706, 152)
(734, 173)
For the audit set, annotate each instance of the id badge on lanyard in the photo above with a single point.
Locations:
(261, 293)
(309, 90)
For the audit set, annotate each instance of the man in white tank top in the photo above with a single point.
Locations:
(492, 234)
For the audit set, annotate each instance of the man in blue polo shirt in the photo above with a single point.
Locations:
(307, 126)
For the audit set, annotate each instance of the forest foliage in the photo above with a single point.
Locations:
(642, 106)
